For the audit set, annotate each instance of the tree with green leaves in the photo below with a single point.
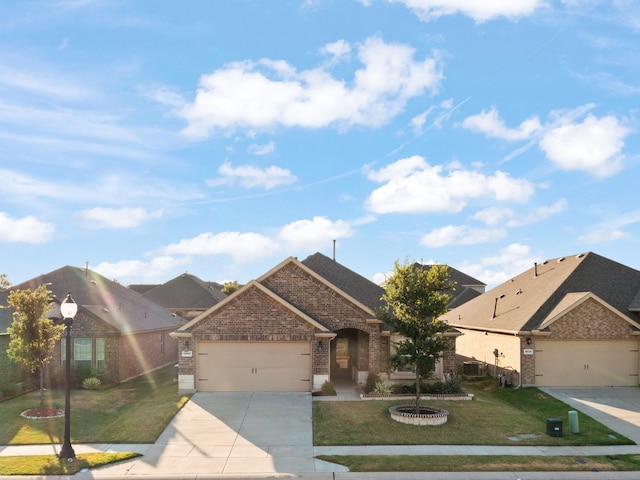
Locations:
(229, 287)
(416, 297)
(32, 336)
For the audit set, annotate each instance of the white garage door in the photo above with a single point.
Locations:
(586, 363)
(254, 366)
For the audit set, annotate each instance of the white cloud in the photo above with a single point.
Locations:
(496, 269)
(491, 124)
(612, 229)
(593, 146)
(513, 218)
(116, 218)
(338, 51)
(494, 215)
(267, 93)
(242, 247)
(24, 230)
(479, 10)
(314, 234)
(252, 177)
(136, 271)
(265, 149)
(414, 186)
(460, 235)
(539, 214)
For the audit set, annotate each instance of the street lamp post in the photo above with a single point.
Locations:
(68, 310)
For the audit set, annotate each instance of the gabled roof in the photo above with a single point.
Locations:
(124, 309)
(350, 282)
(525, 302)
(253, 284)
(186, 291)
(466, 287)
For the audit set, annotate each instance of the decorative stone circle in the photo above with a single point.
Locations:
(430, 416)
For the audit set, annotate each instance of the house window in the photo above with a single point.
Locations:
(82, 354)
(100, 361)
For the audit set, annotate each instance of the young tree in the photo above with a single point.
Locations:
(229, 287)
(416, 298)
(32, 335)
(4, 281)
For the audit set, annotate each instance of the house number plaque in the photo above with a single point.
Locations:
(187, 353)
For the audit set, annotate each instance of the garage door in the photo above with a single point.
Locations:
(586, 363)
(254, 366)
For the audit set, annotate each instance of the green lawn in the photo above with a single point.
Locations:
(495, 417)
(505, 463)
(133, 412)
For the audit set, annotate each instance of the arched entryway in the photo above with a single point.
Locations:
(350, 355)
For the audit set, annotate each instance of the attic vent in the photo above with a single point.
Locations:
(561, 259)
(106, 310)
(545, 262)
(580, 255)
(94, 282)
(519, 291)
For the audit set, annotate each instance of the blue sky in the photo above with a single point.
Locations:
(219, 138)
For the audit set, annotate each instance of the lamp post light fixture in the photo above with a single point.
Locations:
(68, 310)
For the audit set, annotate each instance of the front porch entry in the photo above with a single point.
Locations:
(350, 355)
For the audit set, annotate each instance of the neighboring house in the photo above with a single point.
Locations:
(186, 295)
(297, 326)
(570, 321)
(466, 287)
(116, 332)
(12, 376)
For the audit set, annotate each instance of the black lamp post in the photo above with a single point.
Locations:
(68, 310)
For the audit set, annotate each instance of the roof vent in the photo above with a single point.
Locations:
(519, 291)
(561, 259)
(105, 309)
(580, 255)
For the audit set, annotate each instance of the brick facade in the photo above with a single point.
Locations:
(126, 356)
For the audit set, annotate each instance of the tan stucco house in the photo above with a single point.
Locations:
(569, 321)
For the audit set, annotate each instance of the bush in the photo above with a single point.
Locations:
(91, 383)
(328, 388)
(372, 380)
(382, 389)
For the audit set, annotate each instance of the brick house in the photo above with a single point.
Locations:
(116, 333)
(569, 321)
(185, 295)
(295, 327)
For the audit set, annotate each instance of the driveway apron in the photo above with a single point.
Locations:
(234, 433)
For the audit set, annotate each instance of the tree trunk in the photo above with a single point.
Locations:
(417, 392)
(41, 374)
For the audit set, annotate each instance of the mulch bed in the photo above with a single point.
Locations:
(46, 412)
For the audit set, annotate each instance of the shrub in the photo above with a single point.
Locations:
(372, 380)
(91, 383)
(328, 388)
(382, 389)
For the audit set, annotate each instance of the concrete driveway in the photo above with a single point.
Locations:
(232, 434)
(616, 407)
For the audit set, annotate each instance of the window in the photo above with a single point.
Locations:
(100, 362)
(82, 354)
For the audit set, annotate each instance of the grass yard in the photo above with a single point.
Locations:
(495, 417)
(505, 463)
(132, 412)
(51, 465)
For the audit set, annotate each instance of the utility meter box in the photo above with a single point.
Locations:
(554, 427)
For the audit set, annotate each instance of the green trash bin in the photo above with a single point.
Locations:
(574, 426)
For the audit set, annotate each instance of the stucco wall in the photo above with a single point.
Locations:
(478, 345)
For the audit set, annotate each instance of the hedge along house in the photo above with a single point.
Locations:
(116, 333)
(569, 321)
